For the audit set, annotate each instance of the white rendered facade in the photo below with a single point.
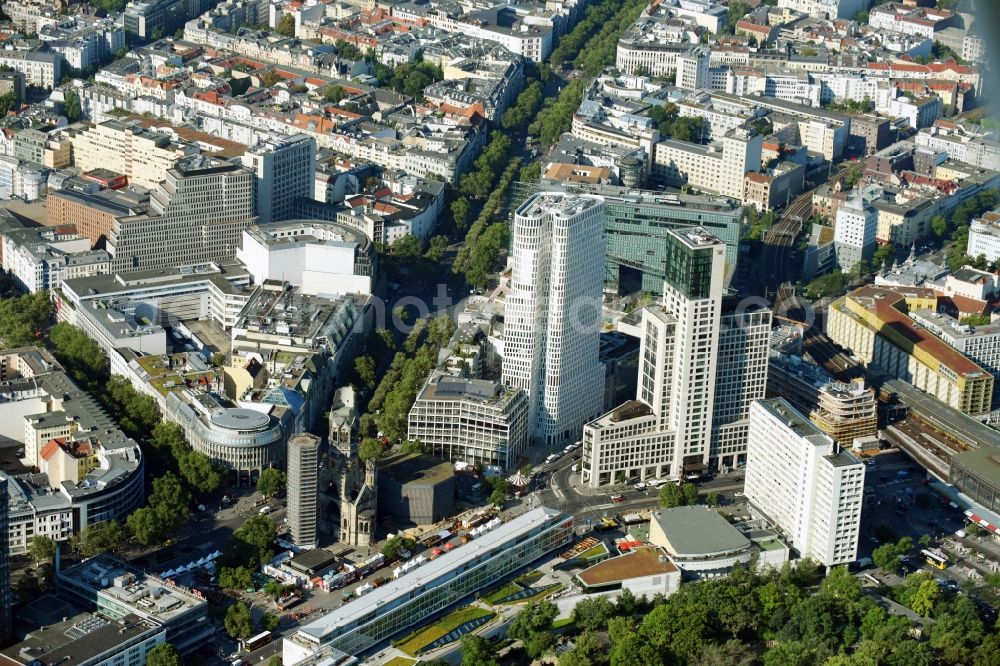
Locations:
(984, 237)
(832, 9)
(551, 332)
(692, 69)
(719, 167)
(320, 258)
(799, 480)
(854, 233)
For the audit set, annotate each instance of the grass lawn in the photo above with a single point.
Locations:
(542, 593)
(529, 578)
(562, 622)
(424, 636)
(399, 661)
(599, 549)
(493, 595)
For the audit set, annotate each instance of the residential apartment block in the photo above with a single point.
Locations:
(984, 236)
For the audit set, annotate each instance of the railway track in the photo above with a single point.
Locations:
(779, 241)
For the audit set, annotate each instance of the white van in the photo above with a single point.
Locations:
(552, 458)
(264, 510)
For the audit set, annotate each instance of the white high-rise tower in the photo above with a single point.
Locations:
(803, 483)
(552, 322)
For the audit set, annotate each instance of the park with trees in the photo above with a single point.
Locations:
(786, 617)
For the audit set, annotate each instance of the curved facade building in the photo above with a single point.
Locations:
(241, 439)
(321, 258)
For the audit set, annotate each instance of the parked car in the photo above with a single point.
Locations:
(618, 498)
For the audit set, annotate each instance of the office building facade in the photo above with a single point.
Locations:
(413, 597)
(636, 223)
(285, 169)
(668, 429)
(551, 332)
(303, 485)
(803, 483)
(740, 378)
(843, 410)
(195, 215)
(477, 421)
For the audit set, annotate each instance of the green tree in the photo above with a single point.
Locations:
(43, 549)
(238, 622)
(407, 247)
(592, 614)
(286, 25)
(23, 319)
(925, 597)
(335, 93)
(164, 654)
(438, 246)
(270, 622)
(103, 537)
(411, 446)
(478, 651)
(460, 211)
(497, 497)
(587, 651)
(170, 502)
(790, 653)
(398, 548)
(831, 285)
(885, 557)
(7, 102)
(365, 368)
(235, 578)
(271, 482)
(712, 499)
(530, 173)
(253, 542)
(939, 226)
(634, 648)
(199, 473)
(957, 631)
(737, 10)
(671, 496)
(274, 661)
(145, 527)
(731, 653)
(71, 105)
(690, 493)
(884, 256)
(370, 448)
